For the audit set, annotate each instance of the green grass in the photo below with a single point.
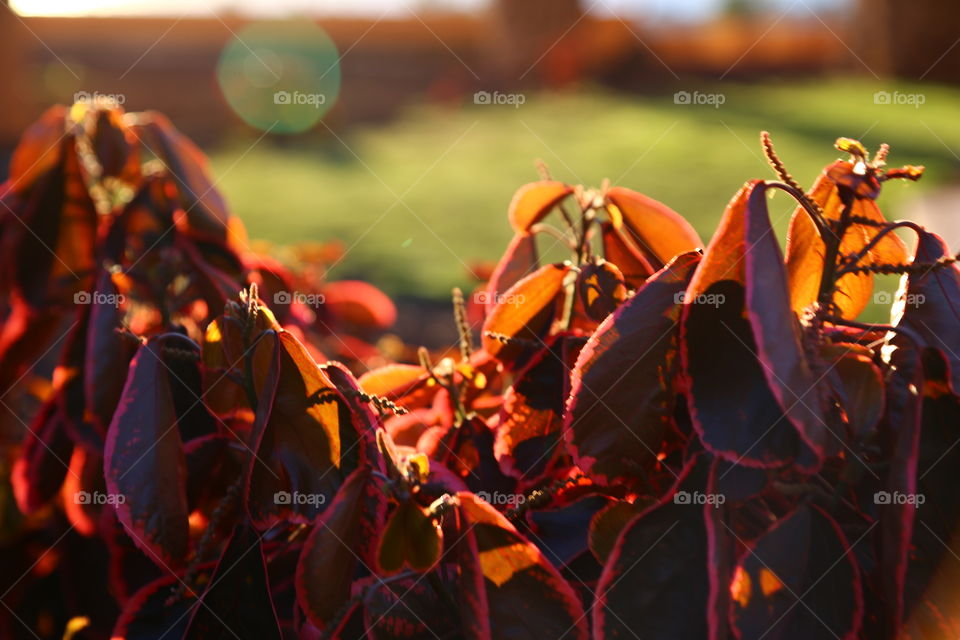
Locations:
(455, 170)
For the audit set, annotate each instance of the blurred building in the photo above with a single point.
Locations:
(168, 63)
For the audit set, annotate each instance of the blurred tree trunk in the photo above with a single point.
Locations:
(915, 39)
(533, 39)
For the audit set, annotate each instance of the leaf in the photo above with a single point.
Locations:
(532, 202)
(929, 304)
(39, 149)
(342, 541)
(654, 584)
(359, 304)
(799, 580)
(778, 335)
(658, 231)
(525, 311)
(49, 253)
(858, 385)
(237, 604)
(147, 616)
(622, 398)
(467, 450)
(411, 539)
(722, 359)
(525, 596)
(405, 608)
(402, 383)
(144, 461)
(531, 417)
(107, 358)
(805, 249)
(113, 144)
(606, 525)
(518, 261)
(901, 430)
(204, 205)
(562, 533)
(296, 435)
(41, 467)
(621, 252)
(600, 287)
(359, 425)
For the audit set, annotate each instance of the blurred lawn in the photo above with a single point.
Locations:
(454, 171)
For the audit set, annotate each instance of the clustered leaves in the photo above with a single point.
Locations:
(652, 440)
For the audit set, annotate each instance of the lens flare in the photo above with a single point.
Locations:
(280, 76)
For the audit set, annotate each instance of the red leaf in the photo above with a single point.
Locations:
(533, 202)
(343, 539)
(296, 435)
(148, 616)
(929, 303)
(107, 358)
(721, 356)
(622, 398)
(144, 461)
(359, 304)
(530, 420)
(39, 149)
(205, 208)
(237, 602)
(777, 331)
(655, 583)
(525, 595)
(40, 469)
(804, 555)
(902, 427)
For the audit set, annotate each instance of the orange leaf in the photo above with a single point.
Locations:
(659, 231)
(525, 311)
(805, 252)
(532, 202)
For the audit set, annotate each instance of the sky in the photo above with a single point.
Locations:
(681, 10)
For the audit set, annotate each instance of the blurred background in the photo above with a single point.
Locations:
(401, 128)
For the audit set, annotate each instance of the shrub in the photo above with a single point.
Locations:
(652, 439)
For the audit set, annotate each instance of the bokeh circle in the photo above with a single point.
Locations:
(280, 76)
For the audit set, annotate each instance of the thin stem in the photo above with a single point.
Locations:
(556, 233)
(908, 333)
(860, 255)
(831, 254)
(808, 205)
